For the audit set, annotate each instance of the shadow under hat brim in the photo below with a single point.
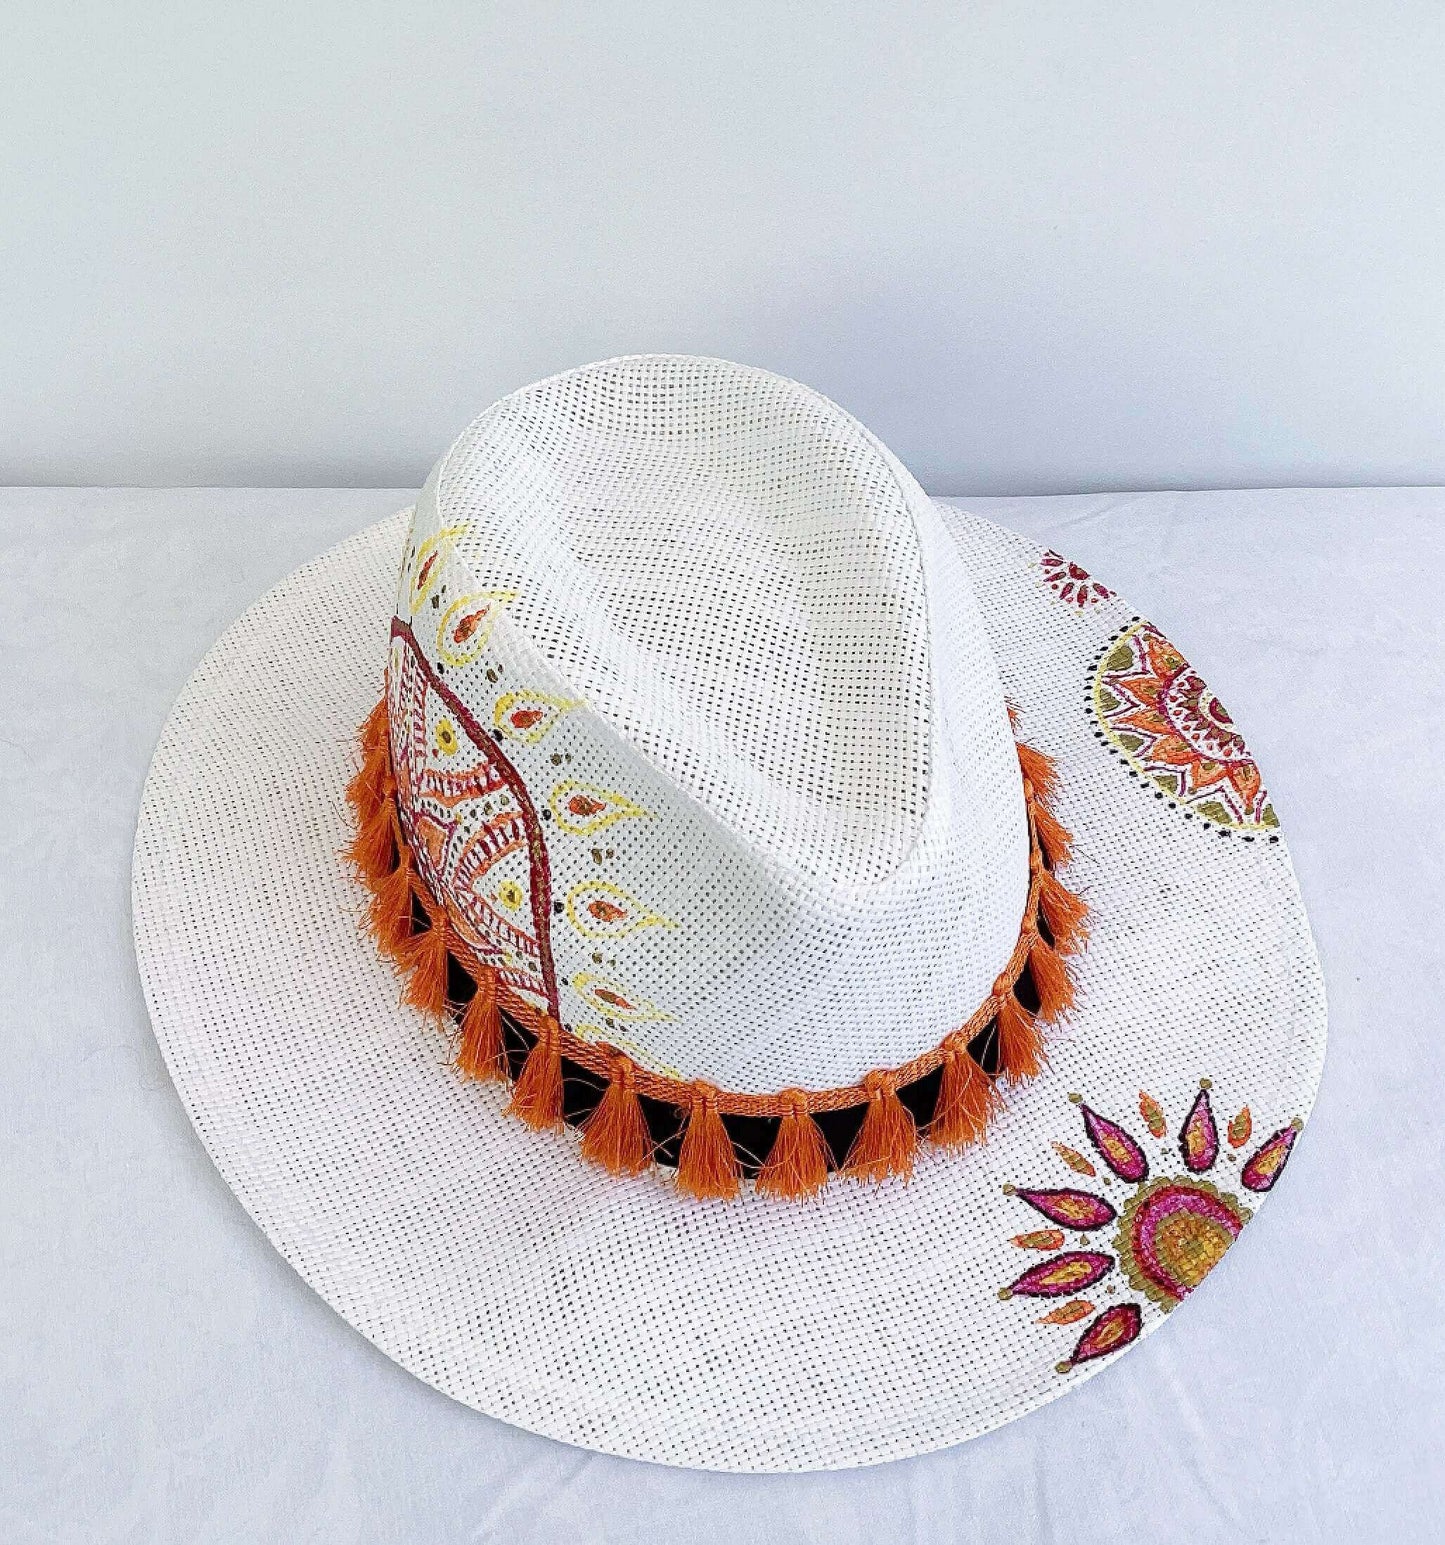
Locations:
(617, 1314)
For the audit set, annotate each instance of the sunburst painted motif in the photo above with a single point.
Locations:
(1168, 1233)
(467, 624)
(585, 808)
(1157, 713)
(598, 909)
(1070, 583)
(529, 716)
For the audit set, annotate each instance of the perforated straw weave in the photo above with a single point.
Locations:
(734, 614)
(619, 1314)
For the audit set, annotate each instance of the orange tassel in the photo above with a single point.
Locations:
(1020, 1041)
(615, 1135)
(797, 1164)
(537, 1094)
(707, 1166)
(390, 911)
(1038, 769)
(369, 788)
(479, 1052)
(1053, 836)
(1066, 914)
(372, 851)
(1052, 981)
(888, 1139)
(967, 1098)
(424, 958)
(374, 727)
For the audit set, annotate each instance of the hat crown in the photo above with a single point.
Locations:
(704, 601)
(725, 568)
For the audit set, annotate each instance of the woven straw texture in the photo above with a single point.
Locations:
(616, 1314)
(714, 595)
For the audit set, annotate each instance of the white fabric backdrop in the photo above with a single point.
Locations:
(165, 1377)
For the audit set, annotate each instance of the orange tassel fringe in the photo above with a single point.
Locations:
(707, 1166)
(1020, 1040)
(389, 914)
(888, 1139)
(1038, 769)
(424, 959)
(615, 1134)
(375, 728)
(797, 1164)
(480, 1050)
(1066, 914)
(537, 1094)
(967, 1098)
(368, 790)
(1052, 981)
(1053, 837)
(372, 852)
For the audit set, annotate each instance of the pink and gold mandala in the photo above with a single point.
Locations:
(1155, 711)
(1173, 1228)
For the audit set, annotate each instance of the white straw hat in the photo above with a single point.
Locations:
(882, 934)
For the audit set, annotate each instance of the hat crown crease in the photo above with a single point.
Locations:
(739, 616)
(725, 568)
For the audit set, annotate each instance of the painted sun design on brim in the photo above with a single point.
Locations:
(1156, 712)
(1171, 1231)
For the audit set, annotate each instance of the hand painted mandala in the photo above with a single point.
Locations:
(1173, 1229)
(1156, 712)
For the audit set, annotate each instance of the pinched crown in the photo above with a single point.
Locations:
(696, 746)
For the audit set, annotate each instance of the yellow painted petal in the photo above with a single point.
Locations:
(444, 737)
(1074, 1159)
(467, 624)
(428, 564)
(613, 1001)
(528, 716)
(598, 909)
(584, 808)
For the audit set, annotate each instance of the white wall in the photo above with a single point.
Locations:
(1036, 246)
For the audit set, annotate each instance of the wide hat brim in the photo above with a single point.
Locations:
(871, 1324)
